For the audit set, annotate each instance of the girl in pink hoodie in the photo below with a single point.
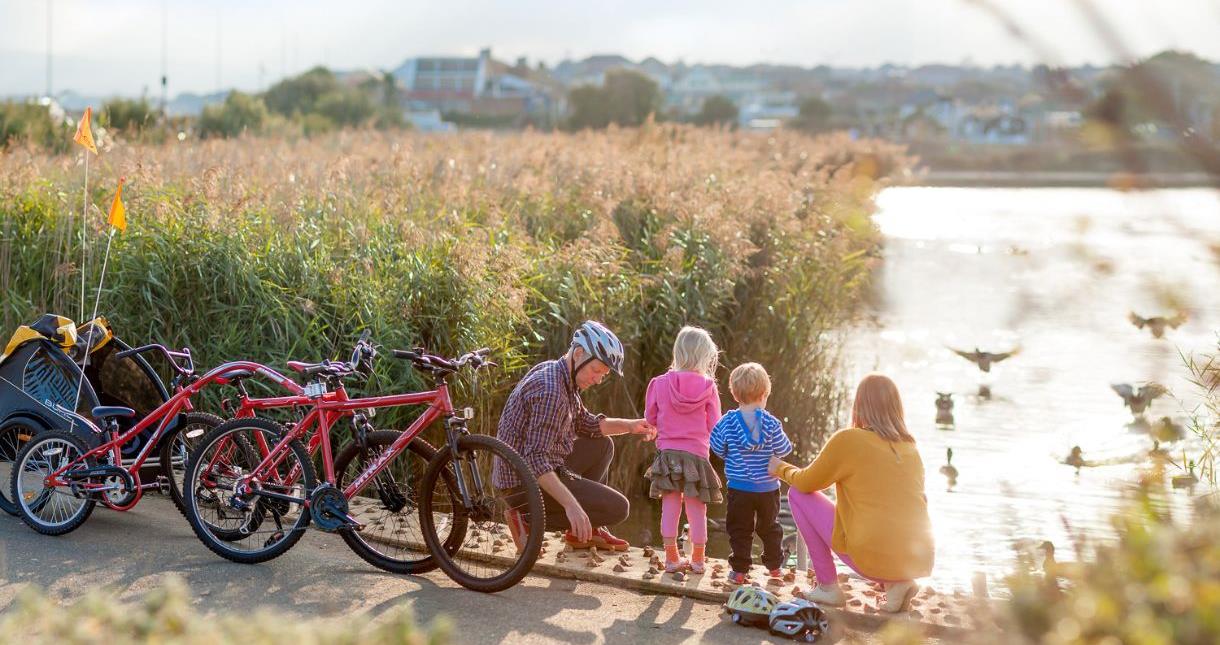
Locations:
(684, 404)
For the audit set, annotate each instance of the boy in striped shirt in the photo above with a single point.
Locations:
(745, 439)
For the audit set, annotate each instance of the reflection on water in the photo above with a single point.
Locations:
(1055, 272)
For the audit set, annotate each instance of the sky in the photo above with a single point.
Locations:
(115, 47)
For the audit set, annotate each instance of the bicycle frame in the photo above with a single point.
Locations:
(162, 416)
(325, 411)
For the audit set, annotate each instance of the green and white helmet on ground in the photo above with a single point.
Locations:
(799, 620)
(750, 605)
(599, 343)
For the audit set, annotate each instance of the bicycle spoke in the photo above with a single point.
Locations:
(489, 557)
(223, 484)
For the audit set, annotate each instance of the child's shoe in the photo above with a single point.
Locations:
(674, 562)
(738, 578)
(682, 564)
(697, 558)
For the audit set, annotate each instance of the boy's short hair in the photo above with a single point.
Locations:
(749, 383)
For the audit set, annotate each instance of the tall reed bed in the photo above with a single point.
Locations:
(277, 249)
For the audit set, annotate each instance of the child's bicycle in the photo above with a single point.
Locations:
(57, 480)
(254, 489)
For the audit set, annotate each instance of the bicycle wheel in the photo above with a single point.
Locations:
(487, 560)
(49, 510)
(13, 436)
(389, 504)
(176, 448)
(235, 523)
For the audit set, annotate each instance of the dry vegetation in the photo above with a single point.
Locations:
(271, 249)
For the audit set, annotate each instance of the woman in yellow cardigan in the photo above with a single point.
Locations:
(879, 526)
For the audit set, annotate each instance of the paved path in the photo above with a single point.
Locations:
(132, 552)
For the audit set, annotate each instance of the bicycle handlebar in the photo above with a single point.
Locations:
(432, 363)
(170, 355)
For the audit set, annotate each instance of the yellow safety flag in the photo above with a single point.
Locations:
(118, 214)
(84, 135)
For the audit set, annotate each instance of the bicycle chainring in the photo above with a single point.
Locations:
(328, 508)
(122, 496)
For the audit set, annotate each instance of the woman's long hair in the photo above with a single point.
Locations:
(878, 407)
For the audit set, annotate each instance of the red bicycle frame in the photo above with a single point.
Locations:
(162, 416)
(328, 409)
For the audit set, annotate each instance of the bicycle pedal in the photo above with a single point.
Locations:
(162, 484)
(353, 523)
(275, 537)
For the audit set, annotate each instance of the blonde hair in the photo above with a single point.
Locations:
(749, 383)
(878, 407)
(694, 351)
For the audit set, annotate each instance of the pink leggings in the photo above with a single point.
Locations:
(814, 515)
(696, 516)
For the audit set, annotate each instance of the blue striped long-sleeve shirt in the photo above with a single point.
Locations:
(745, 460)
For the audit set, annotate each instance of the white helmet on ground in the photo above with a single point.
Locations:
(599, 343)
(800, 620)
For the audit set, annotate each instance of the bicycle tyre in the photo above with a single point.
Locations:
(220, 545)
(11, 443)
(533, 506)
(27, 515)
(166, 452)
(357, 541)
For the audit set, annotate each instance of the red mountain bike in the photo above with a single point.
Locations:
(57, 480)
(397, 502)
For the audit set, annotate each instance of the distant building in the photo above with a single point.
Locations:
(480, 87)
(767, 110)
(444, 83)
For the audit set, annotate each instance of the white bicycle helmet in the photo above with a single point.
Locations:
(750, 605)
(800, 620)
(599, 343)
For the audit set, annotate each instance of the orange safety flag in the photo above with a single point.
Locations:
(84, 135)
(118, 214)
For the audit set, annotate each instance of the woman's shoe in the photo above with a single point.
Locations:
(830, 595)
(898, 596)
(697, 566)
(674, 567)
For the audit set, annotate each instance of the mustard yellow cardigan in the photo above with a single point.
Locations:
(881, 513)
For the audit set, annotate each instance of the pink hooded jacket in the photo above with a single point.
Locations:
(683, 406)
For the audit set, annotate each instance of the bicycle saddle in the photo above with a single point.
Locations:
(112, 411)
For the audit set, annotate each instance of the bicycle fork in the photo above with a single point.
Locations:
(455, 429)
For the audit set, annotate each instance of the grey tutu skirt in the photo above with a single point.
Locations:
(678, 471)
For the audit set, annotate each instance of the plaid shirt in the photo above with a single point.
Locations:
(541, 420)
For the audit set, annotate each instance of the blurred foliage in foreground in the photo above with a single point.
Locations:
(165, 615)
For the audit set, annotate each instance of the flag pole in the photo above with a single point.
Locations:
(84, 247)
(118, 221)
(92, 328)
